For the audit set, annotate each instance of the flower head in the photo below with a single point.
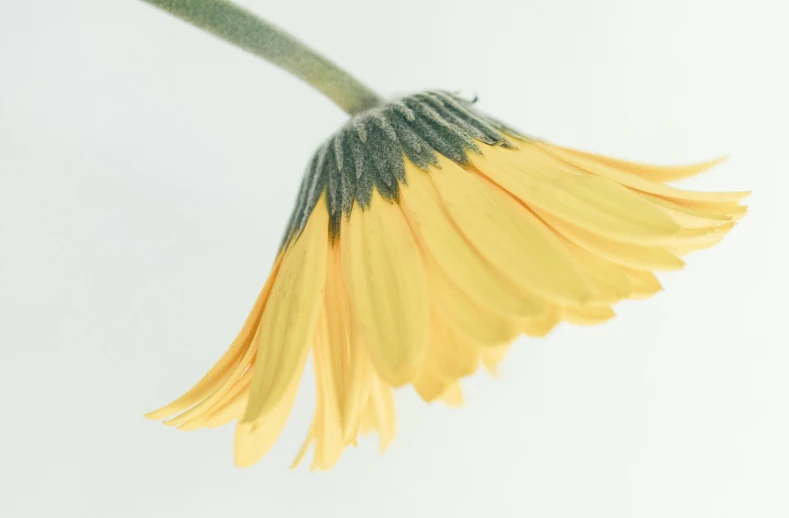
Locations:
(426, 238)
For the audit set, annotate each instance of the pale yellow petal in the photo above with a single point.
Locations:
(227, 409)
(451, 252)
(429, 385)
(609, 284)
(453, 395)
(305, 446)
(540, 326)
(640, 183)
(731, 209)
(702, 237)
(232, 407)
(254, 439)
(288, 324)
(203, 409)
(618, 252)
(349, 356)
(644, 283)
(688, 217)
(596, 204)
(449, 358)
(510, 237)
(328, 424)
(337, 317)
(432, 380)
(491, 358)
(379, 413)
(385, 278)
(226, 365)
(587, 316)
(656, 173)
(459, 358)
(465, 315)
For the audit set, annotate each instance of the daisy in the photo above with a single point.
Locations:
(426, 237)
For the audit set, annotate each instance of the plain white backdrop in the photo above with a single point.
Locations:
(147, 171)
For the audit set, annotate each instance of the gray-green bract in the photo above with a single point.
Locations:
(369, 151)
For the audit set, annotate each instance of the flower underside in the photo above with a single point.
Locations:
(426, 238)
(370, 152)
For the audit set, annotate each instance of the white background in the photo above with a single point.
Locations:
(146, 174)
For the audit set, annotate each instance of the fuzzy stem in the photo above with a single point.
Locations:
(250, 32)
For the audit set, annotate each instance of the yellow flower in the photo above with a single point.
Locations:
(426, 238)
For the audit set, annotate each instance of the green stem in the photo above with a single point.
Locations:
(243, 29)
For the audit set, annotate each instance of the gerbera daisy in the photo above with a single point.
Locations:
(427, 237)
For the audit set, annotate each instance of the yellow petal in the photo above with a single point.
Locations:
(379, 412)
(429, 384)
(492, 357)
(729, 209)
(193, 418)
(655, 173)
(459, 358)
(449, 358)
(335, 350)
(350, 363)
(540, 326)
(643, 283)
(466, 316)
(639, 183)
(700, 241)
(688, 217)
(304, 447)
(593, 203)
(288, 325)
(609, 284)
(587, 316)
(328, 425)
(432, 380)
(453, 395)
(254, 439)
(618, 252)
(228, 408)
(386, 283)
(509, 236)
(702, 237)
(439, 238)
(223, 369)
(232, 406)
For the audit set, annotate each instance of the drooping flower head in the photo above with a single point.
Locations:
(425, 239)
